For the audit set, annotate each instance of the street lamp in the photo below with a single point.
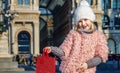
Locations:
(11, 15)
(8, 17)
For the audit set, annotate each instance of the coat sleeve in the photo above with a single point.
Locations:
(66, 46)
(101, 49)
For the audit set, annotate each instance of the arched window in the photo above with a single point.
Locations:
(24, 43)
(111, 45)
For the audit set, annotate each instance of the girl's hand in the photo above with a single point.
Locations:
(82, 67)
(48, 49)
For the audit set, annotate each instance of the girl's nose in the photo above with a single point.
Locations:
(83, 22)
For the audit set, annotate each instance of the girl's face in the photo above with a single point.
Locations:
(85, 24)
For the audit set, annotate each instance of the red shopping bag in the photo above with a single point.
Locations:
(45, 64)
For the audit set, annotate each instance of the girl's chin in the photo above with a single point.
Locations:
(85, 29)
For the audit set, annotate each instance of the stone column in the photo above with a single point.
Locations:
(94, 2)
(4, 51)
(99, 7)
(36, 38)
(36, 5)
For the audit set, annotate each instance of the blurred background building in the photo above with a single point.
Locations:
(27, 26)
(111, 24)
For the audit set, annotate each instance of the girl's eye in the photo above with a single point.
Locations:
(80, 21)
(85, 19)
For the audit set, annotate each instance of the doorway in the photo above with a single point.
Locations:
(24, 43)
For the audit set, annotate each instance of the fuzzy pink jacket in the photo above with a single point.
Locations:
(79, 48)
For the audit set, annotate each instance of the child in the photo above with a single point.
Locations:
(83, 48)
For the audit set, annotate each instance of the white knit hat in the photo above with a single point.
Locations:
(83, 11)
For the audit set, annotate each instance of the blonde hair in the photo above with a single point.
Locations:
(92, 28)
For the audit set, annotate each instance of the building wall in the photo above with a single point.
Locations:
(112, 31)
(27, 20)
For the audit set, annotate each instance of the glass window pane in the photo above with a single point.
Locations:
(114, 4)
(118, 4)
(23, 36)
(24, 42)
(4, 6)
(27, 2)
(108, 4)
(117, 21)
(24, 49)
(103, 4)
(45, 11)
(20, 2)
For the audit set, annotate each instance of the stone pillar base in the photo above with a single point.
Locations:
(5, 56)
(6, 64)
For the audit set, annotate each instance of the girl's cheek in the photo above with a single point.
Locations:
(79, 24)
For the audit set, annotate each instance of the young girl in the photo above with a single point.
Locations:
(83, 48)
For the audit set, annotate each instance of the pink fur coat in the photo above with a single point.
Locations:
(79, 48)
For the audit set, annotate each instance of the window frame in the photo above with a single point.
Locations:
(23, 2)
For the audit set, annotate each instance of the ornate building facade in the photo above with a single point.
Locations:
(46, 22)
(25, 27)
(111, 24)
(22, 35)
(30, 25)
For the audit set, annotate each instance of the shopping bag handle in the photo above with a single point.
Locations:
(45, 53)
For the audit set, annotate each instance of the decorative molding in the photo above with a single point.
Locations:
(27, 17)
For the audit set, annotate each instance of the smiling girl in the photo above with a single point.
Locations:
(85, 47)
